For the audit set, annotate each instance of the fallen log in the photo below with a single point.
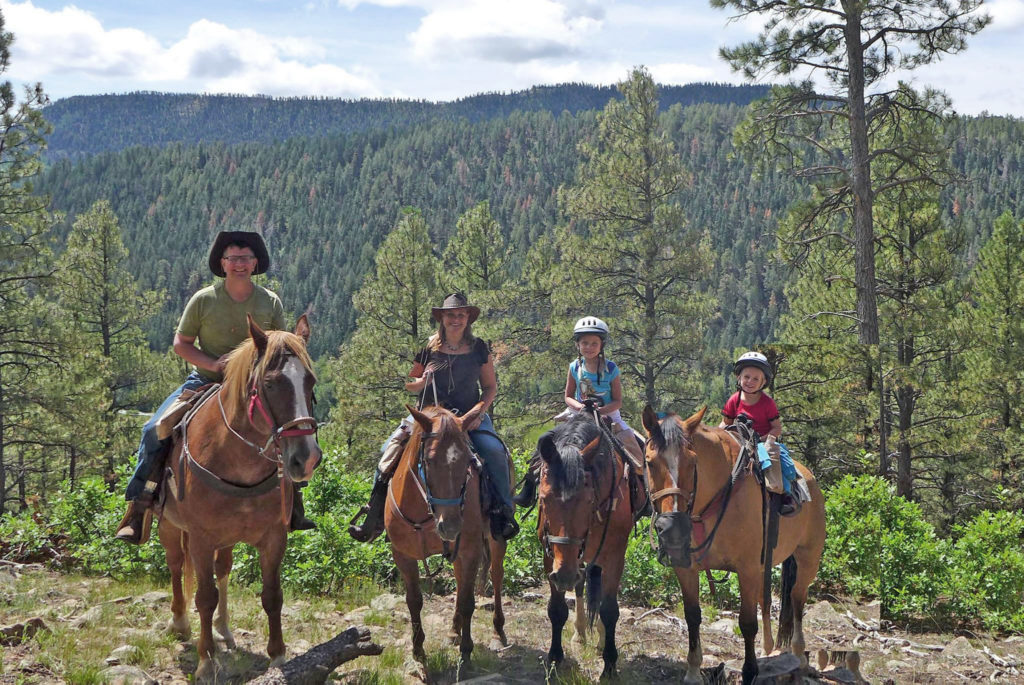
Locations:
(314, 666)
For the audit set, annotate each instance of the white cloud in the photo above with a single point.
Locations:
(1006, 14)
(514, 31)
(210, 57)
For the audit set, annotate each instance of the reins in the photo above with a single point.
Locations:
(271, 450)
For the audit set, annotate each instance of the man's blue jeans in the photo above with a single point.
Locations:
(151, 447)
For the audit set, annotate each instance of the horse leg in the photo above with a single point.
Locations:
(206, 601)
(271, 550)
(767, 640)
(173, 541)
(558, 613)
(466, 566)
(413, 599)
(750, 595)
(689, 583)
(498, 548)
(609, 612)
(222, 567)
(806, 570)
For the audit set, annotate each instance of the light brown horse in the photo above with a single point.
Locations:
(242, 449)
(583, 521)
(704, 523)
(433, 508)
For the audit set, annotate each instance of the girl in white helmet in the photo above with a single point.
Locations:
(753, 374)
(592, 378)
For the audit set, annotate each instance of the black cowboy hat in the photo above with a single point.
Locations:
(254, 241)
(455, 301)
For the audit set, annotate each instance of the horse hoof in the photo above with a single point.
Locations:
(498, 643)
(609, 674)
(224, 635)
(206, 672)
(277, 661)
(180, 628)
(453, 639)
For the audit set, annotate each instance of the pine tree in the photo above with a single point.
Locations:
(394, 323)
(855, 45)
(628, 252)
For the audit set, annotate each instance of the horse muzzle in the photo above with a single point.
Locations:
(300, 464)
(566, 577)
(449, 525)
(674, 530)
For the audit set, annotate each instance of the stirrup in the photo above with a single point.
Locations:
(136, 525)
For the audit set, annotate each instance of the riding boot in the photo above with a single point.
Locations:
(373, 524)
(135, 526)
(527, 496)
(773, 474)
(638, 496)
(503, 523)
(299, 520)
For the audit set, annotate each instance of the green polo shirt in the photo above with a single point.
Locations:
(218, 323)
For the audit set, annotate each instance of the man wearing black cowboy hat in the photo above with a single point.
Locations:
(216, 318)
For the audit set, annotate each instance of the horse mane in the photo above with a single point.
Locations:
(672, 431)
(244, 362)
(569, 470)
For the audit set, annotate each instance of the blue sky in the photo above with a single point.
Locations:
(430, 49)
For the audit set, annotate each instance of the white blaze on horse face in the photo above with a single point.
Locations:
(454, 454)
(295, 377)
(673, 472)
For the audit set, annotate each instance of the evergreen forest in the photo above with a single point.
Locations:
(689, 218)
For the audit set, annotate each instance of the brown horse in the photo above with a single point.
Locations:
(434, 508)
(231, 482)
(583, 521)
(689, 469)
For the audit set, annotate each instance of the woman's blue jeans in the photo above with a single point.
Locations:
(152, 448)
(491, 450)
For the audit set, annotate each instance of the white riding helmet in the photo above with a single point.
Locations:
(590, 325)
(758, 361)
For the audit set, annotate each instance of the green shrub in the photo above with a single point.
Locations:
(986, 578)
(879, 545)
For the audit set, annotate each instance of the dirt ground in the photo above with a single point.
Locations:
(651, 642)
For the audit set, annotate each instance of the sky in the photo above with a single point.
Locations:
(428, 49)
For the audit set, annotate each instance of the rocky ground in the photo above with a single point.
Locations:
(95, 630)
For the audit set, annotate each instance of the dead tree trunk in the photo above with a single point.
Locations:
(313, 667)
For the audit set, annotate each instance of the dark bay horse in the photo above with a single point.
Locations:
(583, 521)
(704, 523)
(433, 508)
(242, 449)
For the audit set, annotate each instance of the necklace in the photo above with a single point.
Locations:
(452, 348)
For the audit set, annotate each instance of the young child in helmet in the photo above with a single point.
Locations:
(753, 374)
(592, 377)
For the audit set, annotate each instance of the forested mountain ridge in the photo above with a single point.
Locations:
(325, 203)
(88, 124)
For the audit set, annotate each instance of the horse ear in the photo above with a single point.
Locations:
(302, 328)
(546, 447)
(590, 450)
(259, 338)
(468, 417)
(651, 425)
(421, 418)
(690, 424)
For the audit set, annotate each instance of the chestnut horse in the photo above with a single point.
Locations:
(689, 468)
(583, 521)
(434, 507)
(231, 476)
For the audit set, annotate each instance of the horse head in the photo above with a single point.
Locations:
(444, 465)
(671, 463)
(570, 490)
(279, 389)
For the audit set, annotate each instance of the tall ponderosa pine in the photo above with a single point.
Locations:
(105, 307)
(393, 322)
(827, 136)
(27, 343)
(628, 251)
(995, 364)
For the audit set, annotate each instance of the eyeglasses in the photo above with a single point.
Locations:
(239, 259)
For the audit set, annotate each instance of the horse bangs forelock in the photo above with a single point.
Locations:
(568, 471)
(672, 430)
(244, 362)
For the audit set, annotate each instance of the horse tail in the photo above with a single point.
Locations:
(593, 580)
(188, 571)
(785, 637)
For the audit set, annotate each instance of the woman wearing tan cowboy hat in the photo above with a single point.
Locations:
(455, 370)
(213, 323)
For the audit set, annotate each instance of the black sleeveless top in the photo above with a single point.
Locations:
(456, 377)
